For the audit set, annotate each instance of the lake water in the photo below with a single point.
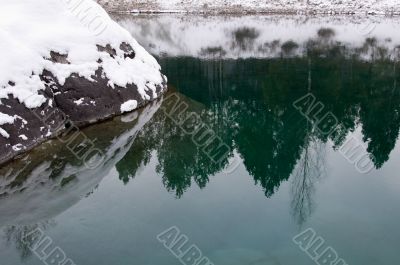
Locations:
(233, 156)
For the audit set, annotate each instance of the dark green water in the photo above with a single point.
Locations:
(281, 174)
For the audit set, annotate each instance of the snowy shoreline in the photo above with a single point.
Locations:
(209, 7)
(222, 11)
(253, 36)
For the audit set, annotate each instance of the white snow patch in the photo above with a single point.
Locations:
(4, 133)
(79, 101)
(17, 147)
(23, 137)
(6, 119)
(128, 106)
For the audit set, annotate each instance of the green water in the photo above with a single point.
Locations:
(280, 176)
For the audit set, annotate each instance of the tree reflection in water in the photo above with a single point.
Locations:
(253, 114)
(309, 169)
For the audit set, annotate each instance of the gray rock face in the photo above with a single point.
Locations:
(76, 103)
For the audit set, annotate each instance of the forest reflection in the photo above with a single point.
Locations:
(253, 114)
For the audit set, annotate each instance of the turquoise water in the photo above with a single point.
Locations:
(279, 176)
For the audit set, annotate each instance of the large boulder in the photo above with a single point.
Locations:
(66, 64)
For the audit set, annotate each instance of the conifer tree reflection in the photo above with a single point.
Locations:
(383, 101)
(253, 114)
(180, 161)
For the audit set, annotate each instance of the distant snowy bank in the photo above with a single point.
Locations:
(388, 7)
(63, 62)
(255, 36)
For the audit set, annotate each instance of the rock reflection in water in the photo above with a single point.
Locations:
(53, 179)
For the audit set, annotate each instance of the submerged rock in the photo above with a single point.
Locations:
(63, 70)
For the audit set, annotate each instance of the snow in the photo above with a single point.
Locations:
(5, 119)
(17, 147)
(30, 30)
(23, 137)
(204, 6)
(128, 106)
(4, 133)
(79, 101)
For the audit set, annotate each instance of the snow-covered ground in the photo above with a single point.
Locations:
(260, 36)
(237, 6)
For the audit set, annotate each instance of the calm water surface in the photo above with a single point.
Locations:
(280, 177)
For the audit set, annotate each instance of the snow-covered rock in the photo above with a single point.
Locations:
(66, 62)
(255, 6)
